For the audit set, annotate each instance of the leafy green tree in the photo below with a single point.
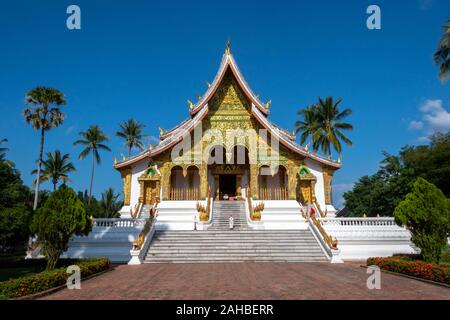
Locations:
(131, 132)
(322, 123)
(110, 204)
(441, 55)
(14, 212)
(62, 216)
(43, 116)
(94, 140)
(382, 192)
(91, 204)
(56, 167)
(431, 162)
(426, 213)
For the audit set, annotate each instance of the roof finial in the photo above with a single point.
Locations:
(228, 47)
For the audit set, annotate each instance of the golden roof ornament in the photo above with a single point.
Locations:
(208, 84)
(228, 47)
(150, 147)
(191, 104)
(307, 146)
(161, 131)
(340, 158)
(329, 157)
(123, 157)
(115, 160)
(268, 104)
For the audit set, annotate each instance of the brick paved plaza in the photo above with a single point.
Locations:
(248, 281)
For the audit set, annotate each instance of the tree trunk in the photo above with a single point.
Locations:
(92, 177)
(36, 189)
(129, 152)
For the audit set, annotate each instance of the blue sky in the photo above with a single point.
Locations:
(143, 59)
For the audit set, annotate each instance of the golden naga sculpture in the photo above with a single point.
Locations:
(204, 215)
(137, 244)
(329, 240)
(256, 212)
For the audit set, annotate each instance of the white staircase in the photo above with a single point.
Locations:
(223, 210)
(241, 244)
(234, 246)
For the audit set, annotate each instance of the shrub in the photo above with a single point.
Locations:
(49, 279)
(426, 213)
(62, 216)
(415, 268)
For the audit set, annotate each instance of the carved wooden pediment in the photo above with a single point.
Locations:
(305, 174)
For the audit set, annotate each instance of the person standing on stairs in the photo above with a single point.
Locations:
(231, 222)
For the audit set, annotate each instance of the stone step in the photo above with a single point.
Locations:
(235, 259)
(230, 252)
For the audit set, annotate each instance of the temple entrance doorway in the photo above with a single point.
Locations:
(227, 186)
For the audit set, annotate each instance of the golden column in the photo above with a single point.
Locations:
(291, 171)
(126, 177)
(327, 181)
(203, 180)
(253, 180)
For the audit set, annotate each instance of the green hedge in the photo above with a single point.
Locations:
(45, 280)
(419, 269)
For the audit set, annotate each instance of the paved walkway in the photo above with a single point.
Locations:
(248, 281)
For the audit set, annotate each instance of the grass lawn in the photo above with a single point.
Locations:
(13, 265)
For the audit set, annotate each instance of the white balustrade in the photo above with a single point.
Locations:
(359, 222)
(118, 222)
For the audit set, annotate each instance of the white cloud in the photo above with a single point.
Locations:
(435, 118)
(416, 125)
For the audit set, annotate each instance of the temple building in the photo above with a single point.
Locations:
(228, 185)
(228, 145)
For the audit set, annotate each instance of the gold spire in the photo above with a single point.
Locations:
(161, 131)
(268, 104)
(228, 47)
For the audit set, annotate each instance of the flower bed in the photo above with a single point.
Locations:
(414, 268)
(46, 280)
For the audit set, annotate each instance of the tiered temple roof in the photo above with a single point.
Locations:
(199, 110)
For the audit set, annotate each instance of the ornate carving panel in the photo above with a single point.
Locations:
(126, 178)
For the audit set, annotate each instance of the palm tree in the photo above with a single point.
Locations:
(93, 139)
(131, 131)
(45, 115)
(55, 168)
(441, 55)
(322, 124)
(110, 203)
(3, 150)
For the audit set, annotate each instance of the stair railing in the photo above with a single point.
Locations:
(322, 214)
(141, 244)
(137, 210)
(327, 242)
